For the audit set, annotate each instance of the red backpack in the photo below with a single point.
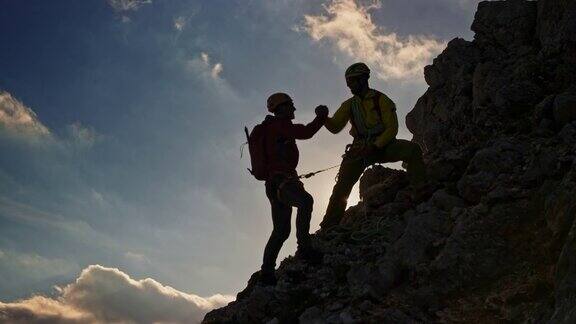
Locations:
(257, 147)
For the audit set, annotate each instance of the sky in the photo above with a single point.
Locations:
(121, 123)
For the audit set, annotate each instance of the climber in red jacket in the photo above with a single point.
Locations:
(283, 188)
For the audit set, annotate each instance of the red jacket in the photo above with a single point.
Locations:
(281, 134)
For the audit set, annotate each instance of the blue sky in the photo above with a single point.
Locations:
(124, 148)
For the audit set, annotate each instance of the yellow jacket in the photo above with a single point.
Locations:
(389, 119)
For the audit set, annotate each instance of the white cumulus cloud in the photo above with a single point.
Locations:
(107, 295)
(349, 27)
(19, 120)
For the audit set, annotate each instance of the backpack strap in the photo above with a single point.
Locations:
(376, 102)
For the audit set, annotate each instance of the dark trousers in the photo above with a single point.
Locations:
(283, 195)
(351, 169)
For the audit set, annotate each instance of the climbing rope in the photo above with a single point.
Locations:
(311, 174)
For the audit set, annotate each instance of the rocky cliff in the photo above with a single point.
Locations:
(496, 241)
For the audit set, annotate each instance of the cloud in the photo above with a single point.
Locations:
(18, 120)
(348, 26)
(180, 23)
(137, 257)
(127, 5)
(202, 65)
(40, 309)
(105, 295)
(216, 70)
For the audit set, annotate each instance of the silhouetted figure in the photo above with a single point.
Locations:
(374, 128)
(283, 188)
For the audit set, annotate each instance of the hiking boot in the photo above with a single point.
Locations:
(268, 279)
(310, 255)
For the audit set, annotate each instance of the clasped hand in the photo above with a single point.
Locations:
(322, 111)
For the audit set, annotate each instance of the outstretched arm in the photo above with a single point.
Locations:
(299, 131)
(339, 120)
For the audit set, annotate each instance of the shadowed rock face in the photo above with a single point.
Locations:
(496, 241)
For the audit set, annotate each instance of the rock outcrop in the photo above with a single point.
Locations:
(496, 241)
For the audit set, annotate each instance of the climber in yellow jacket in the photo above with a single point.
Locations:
(374, 128)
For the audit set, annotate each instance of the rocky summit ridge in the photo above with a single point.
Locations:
(496, 240)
